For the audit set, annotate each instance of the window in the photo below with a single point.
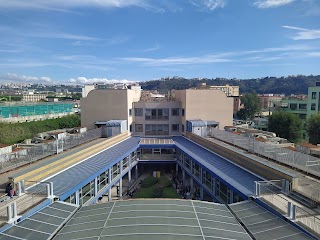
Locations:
(138, 127)
(157, 114)
(302, 106)
(130, 112)
(293, 106)
(182, 111)
(138, 112)
(313, 106)
(175, 127)
(314, 95)
(182, 128)
(175, 111)
(157, 129)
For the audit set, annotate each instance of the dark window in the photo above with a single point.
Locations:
(302, 106)
(130, 112)
(293, 106)
(138, 127)
(175, 111)
(157, 129)
(157, 114)
(313, 106)
(313, 95)
(175, 127)
(138, 112)
(182, 111)
(182, 127)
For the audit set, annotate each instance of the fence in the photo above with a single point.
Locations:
(301, 161)
(30, 153)
(271, 193)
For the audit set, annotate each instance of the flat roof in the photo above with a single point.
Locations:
(158, 219)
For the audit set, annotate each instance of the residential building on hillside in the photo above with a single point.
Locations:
(33, 97)
(230, 91)
(304, 108)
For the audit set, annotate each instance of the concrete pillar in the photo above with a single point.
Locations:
(289, 214)
(201, 193)
(257, 189)
(294, 213)
(230, 200)
(51, 189)
(23, 186)
(191, 185)
(121, 166)
(15, 210)
(109, 181)
(77, 197)
(120, 187)
(48, 191)
(214, 186)
(19, 189)
(136, 171)
(183, 176)
(96, 186)
(110, 194)
(129, 175)
(9, 213)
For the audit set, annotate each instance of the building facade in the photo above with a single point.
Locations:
(156, 116)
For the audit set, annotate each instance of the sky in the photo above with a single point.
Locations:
(85, 41)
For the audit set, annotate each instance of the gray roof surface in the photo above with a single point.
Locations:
(42, 225)
(153, 219)
(231, 173)
(265, 225)
(158, 219)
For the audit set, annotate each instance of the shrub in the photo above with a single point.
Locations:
(164, 182)
(149, 181)
(157, 191)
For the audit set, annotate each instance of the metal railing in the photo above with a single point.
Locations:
(31, 153)
(304, 162)
(271, 193)
(24, 200)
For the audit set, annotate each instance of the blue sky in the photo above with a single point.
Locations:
(82, 41)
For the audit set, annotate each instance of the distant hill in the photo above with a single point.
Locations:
(286, 85)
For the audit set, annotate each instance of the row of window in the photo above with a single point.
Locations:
(157, 129)
(293, 106)
(157, 113)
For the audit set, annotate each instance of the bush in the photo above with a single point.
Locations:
(149, 181)
(164, 182)
(157, 191)
(170, 192)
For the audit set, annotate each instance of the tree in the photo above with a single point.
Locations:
(251, 103)
(313, 128)
(286, 125)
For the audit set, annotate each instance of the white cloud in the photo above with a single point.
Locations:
(62, 36)
(15, 78)
(177, 60)
(84, 80)
(152, 49)
(271, 3)
(304, 34)
(62, 5)
(209, 4)
(313, 54)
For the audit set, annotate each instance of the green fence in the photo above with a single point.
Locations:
(7, 111)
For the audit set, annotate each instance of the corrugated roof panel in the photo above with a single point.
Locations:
(74, 176)
(231, 173)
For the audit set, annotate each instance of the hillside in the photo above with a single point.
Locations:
(287, 85)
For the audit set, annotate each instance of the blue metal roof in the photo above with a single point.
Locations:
(87, 170)
(229, 172)
(70, 180)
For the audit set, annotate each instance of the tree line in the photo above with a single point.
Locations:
(276, 85)
(11, 133)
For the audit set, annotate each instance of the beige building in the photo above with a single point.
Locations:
(33, 97)
(230, 91)
(154, 116)
(109, 104)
